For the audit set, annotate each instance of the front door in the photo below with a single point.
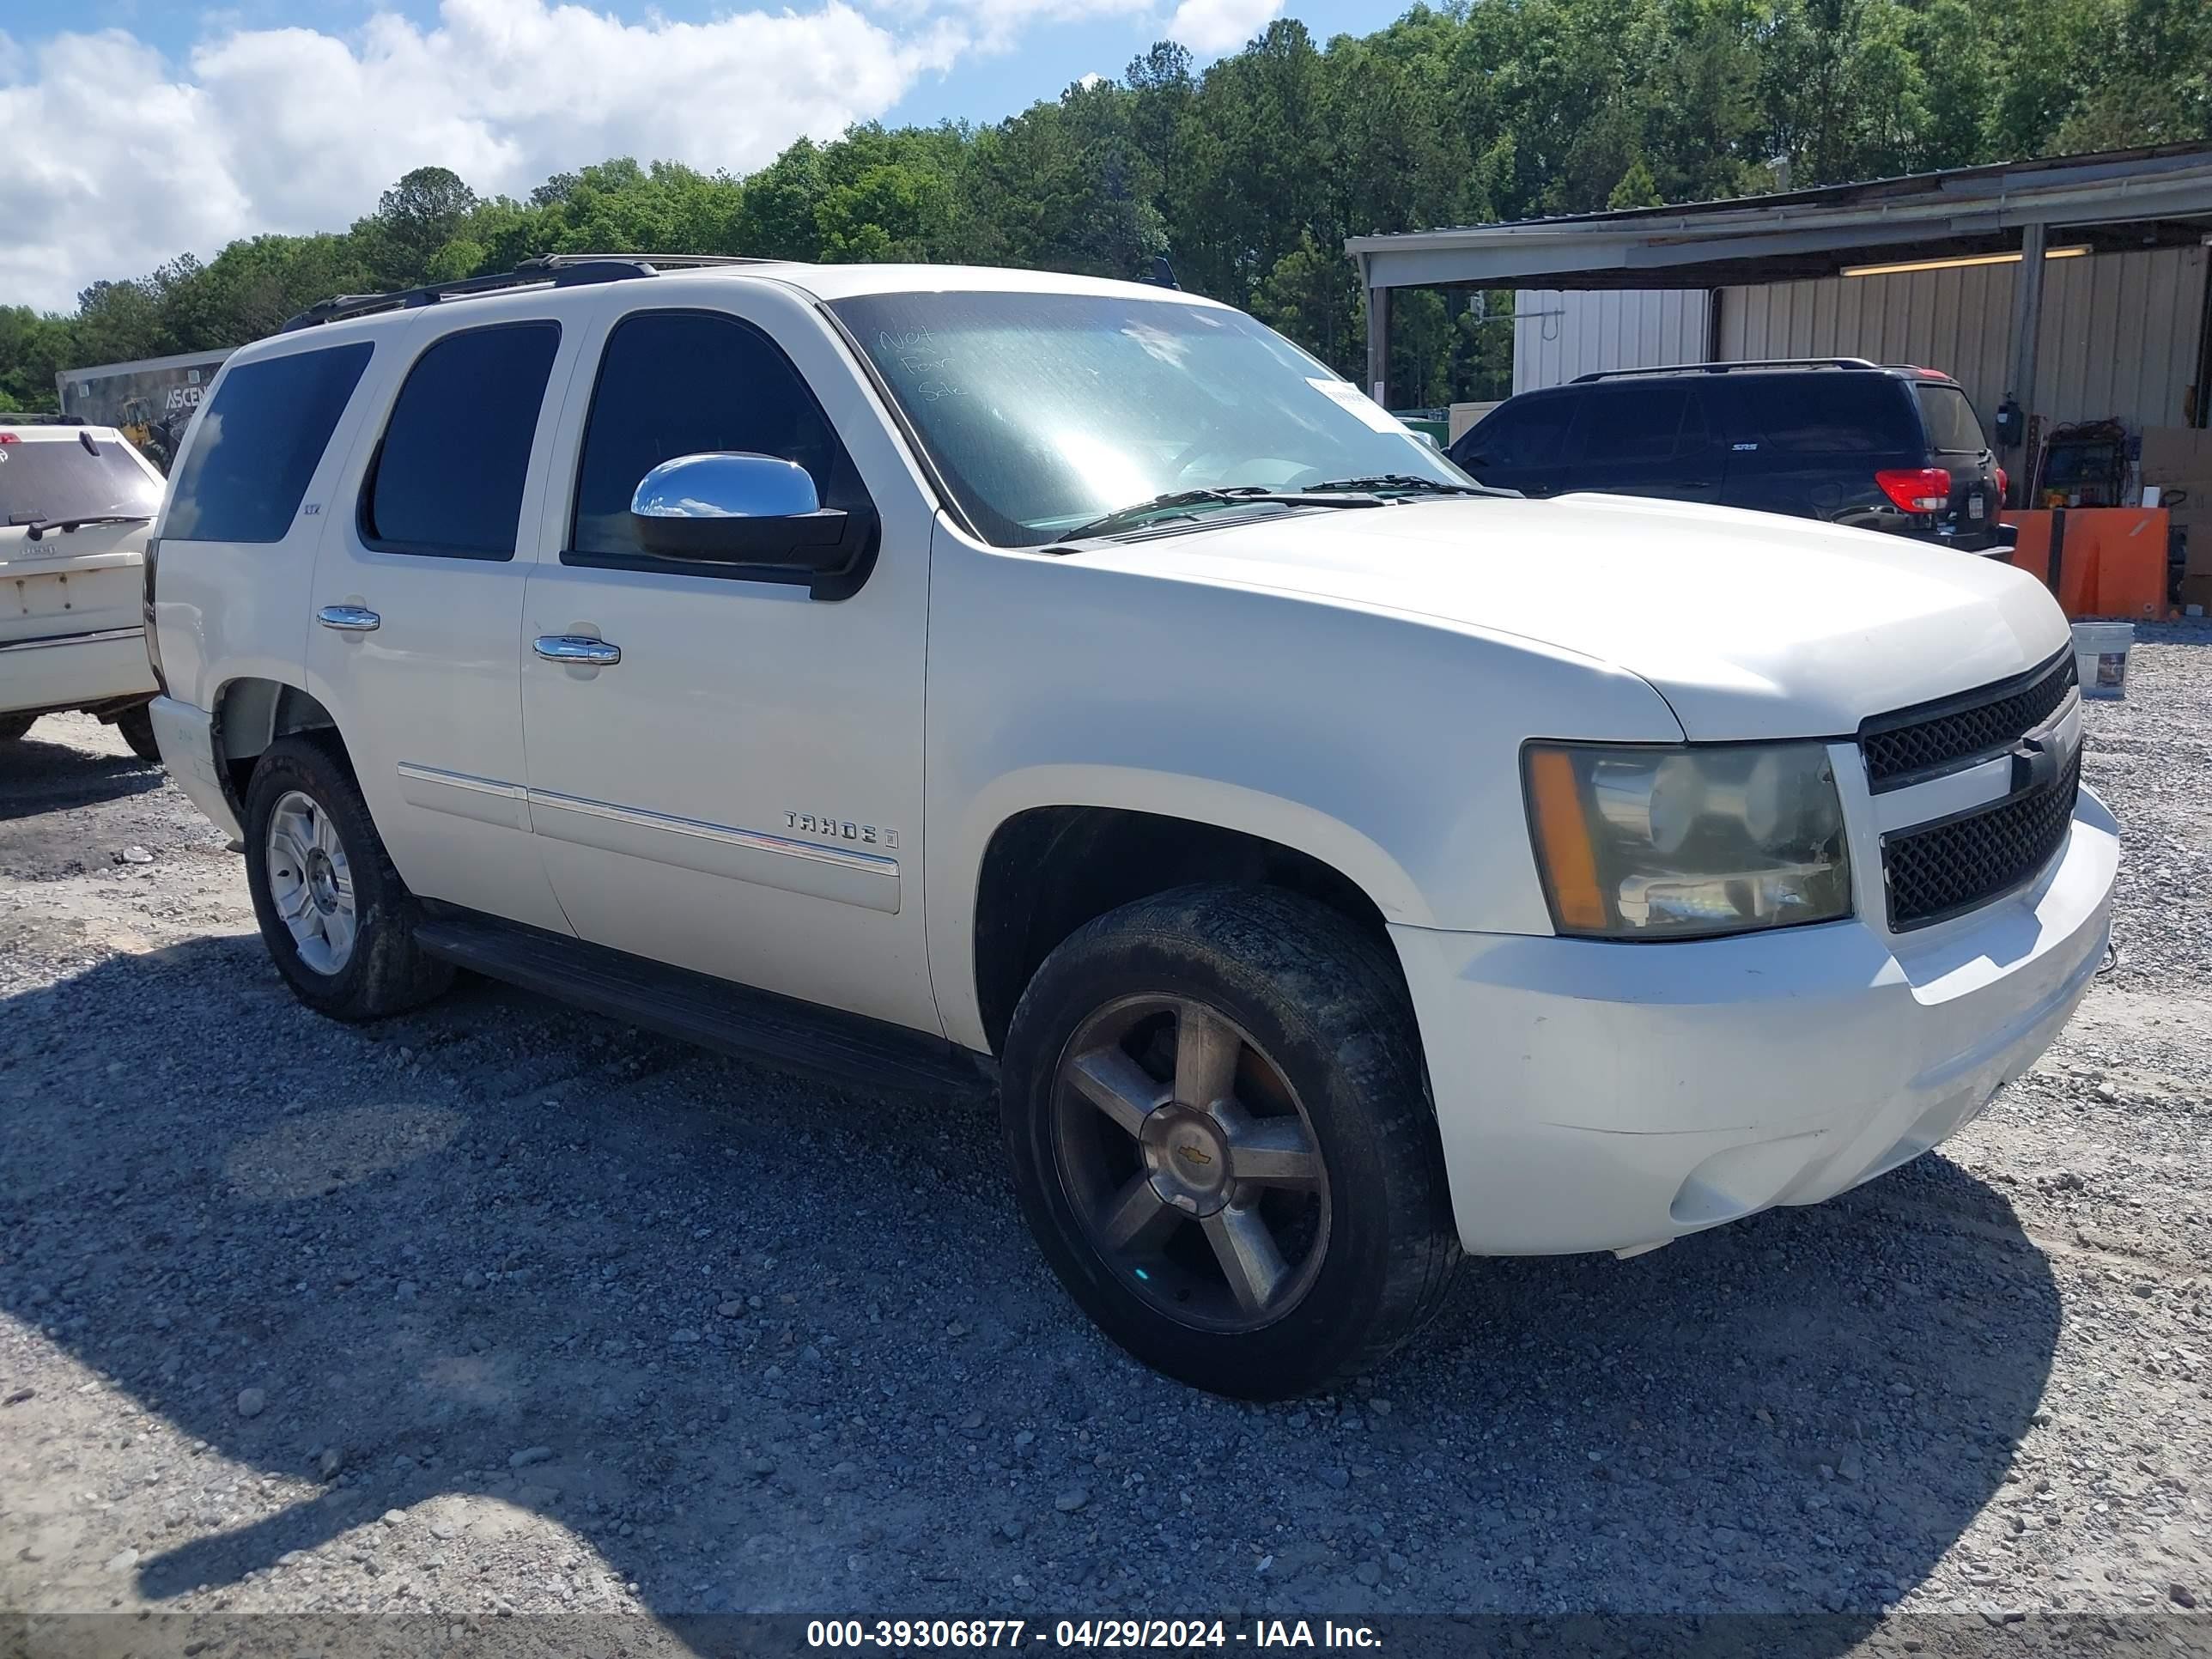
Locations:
(415, 637)
(736, 787)
(1517, 446)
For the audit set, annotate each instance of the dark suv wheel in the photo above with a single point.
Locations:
(1220, 1130)
(335, 915)
(137, 726)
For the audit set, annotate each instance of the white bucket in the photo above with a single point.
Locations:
(2100, 657)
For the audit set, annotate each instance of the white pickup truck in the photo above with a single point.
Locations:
(917, 671)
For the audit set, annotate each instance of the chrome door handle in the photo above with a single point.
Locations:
(349, 619)
(577, 648)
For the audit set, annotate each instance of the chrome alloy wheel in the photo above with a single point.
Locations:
(1190, 1163)
(310, 882)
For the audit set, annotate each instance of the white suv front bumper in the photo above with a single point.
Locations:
(1596, 1096)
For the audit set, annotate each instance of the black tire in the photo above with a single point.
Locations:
(137, 725)
(1318, 1001)
(15, 728)
(385, 973)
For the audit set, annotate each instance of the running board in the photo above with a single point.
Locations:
(715, 1013)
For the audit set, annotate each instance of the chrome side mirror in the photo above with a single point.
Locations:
(737, 509)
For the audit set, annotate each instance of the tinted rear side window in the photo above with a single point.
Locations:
(688, 383)
(1953, 428)
(1839, 412)
(1522, 432)
(258, 442)
(448, 476)
(1640, 422)
(54, 478)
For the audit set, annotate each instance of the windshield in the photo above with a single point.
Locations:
(45, 479)
(1043, 412)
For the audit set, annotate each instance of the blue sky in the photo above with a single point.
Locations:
(293, 115)
(982, 88)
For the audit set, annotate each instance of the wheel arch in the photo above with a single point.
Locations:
(1043, 869)
(250, 713)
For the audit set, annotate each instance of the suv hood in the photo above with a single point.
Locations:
(1749, 624)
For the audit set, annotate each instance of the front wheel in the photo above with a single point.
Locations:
(1219, 1125)
(338, 920)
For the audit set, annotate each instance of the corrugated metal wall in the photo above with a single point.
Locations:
(1558, 336)
(2120, 331)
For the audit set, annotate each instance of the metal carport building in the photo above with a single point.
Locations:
(2075, 287)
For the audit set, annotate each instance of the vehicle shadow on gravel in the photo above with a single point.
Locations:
(762, 1344)
(39, 777)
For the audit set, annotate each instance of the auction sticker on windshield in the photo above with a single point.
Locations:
(1351, 397)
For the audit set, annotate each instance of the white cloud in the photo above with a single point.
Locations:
(994, 26)
(119, 161)
(1211, 25)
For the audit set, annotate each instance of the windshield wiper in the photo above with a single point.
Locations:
(1128, 518)
(1413, 481)
(38, 527)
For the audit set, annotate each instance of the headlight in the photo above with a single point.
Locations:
(1651, 842)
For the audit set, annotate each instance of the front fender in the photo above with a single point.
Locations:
(957, 854)
(1384, 745)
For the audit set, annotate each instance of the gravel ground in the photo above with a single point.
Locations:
(503, 1307)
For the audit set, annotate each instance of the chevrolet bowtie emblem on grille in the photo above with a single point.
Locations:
(1195, 1154)
(2036, 760)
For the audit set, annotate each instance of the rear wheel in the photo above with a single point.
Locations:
(336, 916)
(1218, 1120)
(14, 727)
(137, 725)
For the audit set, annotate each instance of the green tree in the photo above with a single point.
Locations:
(413, 221)
(1637, 188)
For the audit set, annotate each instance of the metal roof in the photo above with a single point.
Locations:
(2155, 195)
(180, 360)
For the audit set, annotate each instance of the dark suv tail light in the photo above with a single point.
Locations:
(153, 638)
(1917, 489)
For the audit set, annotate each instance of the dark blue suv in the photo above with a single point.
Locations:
(1882, 448)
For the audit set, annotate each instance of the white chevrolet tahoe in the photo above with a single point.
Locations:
(913, 671)
(74, 502)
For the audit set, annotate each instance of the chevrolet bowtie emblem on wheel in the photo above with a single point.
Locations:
(1195, 1154)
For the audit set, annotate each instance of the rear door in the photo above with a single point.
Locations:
(1518, 445)
(1645, 437)
(246, 508)
(415, 645)
(1956, 443)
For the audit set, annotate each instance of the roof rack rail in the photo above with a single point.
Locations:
(1722, 369)
(561, 270)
